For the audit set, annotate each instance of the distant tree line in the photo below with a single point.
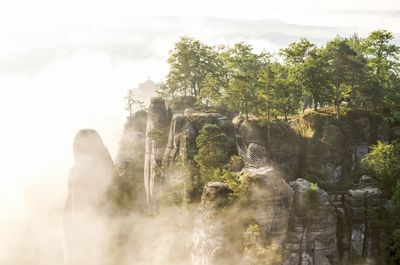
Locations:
(359, 73)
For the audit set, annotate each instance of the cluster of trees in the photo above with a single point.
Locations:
(359, 72)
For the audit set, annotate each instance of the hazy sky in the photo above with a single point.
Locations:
(67, 64)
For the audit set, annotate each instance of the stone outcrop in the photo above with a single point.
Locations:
(211, 244)
(88, 203)
(266, 208)
(278, 223)
(364, 208)
(316, 144)
(278, 142)
(268, 203)
(91, 176)
(311, 238)
(184, 130)
(336, 147)
(250, 130)
(181, 147)
(158, 120)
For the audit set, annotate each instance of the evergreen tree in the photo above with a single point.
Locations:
(343, 68)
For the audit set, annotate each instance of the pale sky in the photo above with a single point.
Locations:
(67, 64)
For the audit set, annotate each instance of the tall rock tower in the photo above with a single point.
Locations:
(158, 120)
(87, 204)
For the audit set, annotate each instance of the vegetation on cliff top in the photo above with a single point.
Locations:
(359, 73)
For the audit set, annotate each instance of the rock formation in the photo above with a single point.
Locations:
(268, 203)
(278, 218)
(183, 132)
(311, 238)
(364, 208)
(211, 244)
(266, 208)
(158, 120)
(129, 191)
(87, 205)
(181, 147)
(317, 145)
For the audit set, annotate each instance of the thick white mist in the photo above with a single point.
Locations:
(39, 116)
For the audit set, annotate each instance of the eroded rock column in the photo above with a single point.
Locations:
(87, 206)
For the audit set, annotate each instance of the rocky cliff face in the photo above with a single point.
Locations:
(311, 238)
(278, 223)
(281, 143)
(184, 130)
(181, 147)
(364, 208)
(266, 210)
(335, 148)
(268, 203)
(316, 145)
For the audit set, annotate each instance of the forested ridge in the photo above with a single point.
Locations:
(346, 72)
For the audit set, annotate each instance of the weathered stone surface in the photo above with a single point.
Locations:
(311, 238)
(258, 151)
(183, 132)
(281, 142)
(250, 130)
(158, 120)
(266, 208)
(268, 202)
(211, 244)
(181, 146)
(267, 205)
(363, 208)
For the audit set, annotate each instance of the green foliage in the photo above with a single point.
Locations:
(239, 188)
(260, 253)
(308, 72)
(360, 73)
(243, 68)
(231, 179)
(192, 66)
(277, 90)
(213, 155)
(213, 146)
(253, 228)
(158, 136)
(384, 163)
(312, 193)
(343, 68)
(313, 187)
